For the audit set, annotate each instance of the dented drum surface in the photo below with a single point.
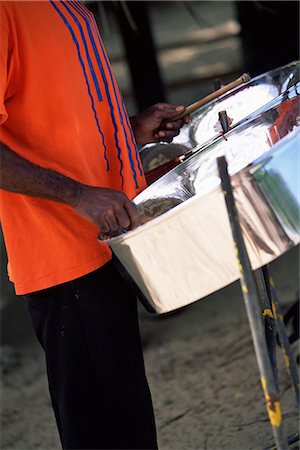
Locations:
(241, 104)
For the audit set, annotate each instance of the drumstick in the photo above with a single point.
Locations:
(191, 108)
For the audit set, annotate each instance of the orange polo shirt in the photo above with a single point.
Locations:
(60, 108)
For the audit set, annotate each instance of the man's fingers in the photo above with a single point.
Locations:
(166, 136)
(112, 221)
(166, 111)
(109, 209)
(133, 213)
(176, 125)
(104, 227)
(160, 135)
(167, 107)
(123, 218)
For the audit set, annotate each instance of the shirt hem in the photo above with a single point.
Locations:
(69, 275)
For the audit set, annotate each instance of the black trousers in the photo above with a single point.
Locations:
(89, 331)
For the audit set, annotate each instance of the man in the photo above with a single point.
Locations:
(70, 168)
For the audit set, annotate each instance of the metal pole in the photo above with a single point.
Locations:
(283, 338)
(269, 320)
(248, 287)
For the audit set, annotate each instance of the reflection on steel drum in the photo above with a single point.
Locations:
(237, 106)
(241, 104)
(188, 252)
(245, 143)
(247, 100)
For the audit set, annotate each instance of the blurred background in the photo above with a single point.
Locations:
(172, 51)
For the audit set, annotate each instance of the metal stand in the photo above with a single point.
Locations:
(263, 337)
(268, 316)
(288, 356)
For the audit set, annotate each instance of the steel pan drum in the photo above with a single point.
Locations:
(188, 252)
(242, 103)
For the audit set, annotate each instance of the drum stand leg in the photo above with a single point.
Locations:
(269, 320)
(288, 356)
(253, 309)
(271, 312)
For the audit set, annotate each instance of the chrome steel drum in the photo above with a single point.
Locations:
(188, 252)
(246, 101)
(242, 103)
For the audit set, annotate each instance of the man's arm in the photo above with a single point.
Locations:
(107, 208)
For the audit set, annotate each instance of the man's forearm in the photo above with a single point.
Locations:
(21, 176)
(109, 209)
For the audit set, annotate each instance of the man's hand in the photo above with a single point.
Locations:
(110, 210)
(155, 124)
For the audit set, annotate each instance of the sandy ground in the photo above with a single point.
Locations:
(201, 368)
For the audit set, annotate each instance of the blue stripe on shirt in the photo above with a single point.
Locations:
(85, 76)
(107, 93)
(86, 50)
(86, 15)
